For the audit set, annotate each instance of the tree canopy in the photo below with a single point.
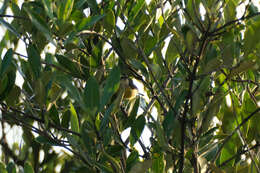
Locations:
(195, 62)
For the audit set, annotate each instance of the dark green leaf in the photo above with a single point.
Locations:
(91, 96)
(93, 5)
(28, 168)
(34, 60)
(6, 62)
(111, 86)
(109, 21)
(88, 22)
(40, 24)
(137, 129)
(169, 123)
(11, 168)
(45, 140)
(132, 159)
(65, 119)
(136, 9)
(66, 83)
(68, 64)
(7, 83)
(54, 115)
(105, 120)
(172, 52)
(10, 28)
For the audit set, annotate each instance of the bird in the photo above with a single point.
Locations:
(130, 89)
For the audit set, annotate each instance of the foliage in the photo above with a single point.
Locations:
(196, 60)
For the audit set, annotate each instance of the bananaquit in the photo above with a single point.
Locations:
(130, 88)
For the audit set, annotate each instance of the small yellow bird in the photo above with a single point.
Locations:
(130, 89)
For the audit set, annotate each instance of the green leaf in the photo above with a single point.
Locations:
(7, 84)
(105, 120)
(111, 86)
(129, 48)
(11, 168)
(68, 64)
(230, 11)
(93, 5)
(45, 140)
(28, 168)
(40, 92)
(54, 115)
(13, 97)
(2, 168)
(251, 38)
(48, 7)
(10, 28)
(137, 129)
(6, 62)
(91, 96)
(74, 122)
(139, 66)
(40, 24)
(169, 123)
(88, 22)
(132, 159)
(158, 165)
(34, 60)
(65, 119)
(134, 12)
(242, 67)
(65, 9)
(141, 167)
(180, 99)
(172, 52)
(66, 83)
(133, 113)
(109, 21)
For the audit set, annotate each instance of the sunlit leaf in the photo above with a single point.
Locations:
(74, 122)
(65, 9)
(2, 168)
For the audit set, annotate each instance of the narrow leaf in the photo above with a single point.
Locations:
(111, 86)
(91, 95)
(48, 7)
(34, 60)
(6, 62)
(86, 23)
(10, 28)
(74, 119)
(137, 129)
(40, 24)
(65, 9)
(66, 83)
